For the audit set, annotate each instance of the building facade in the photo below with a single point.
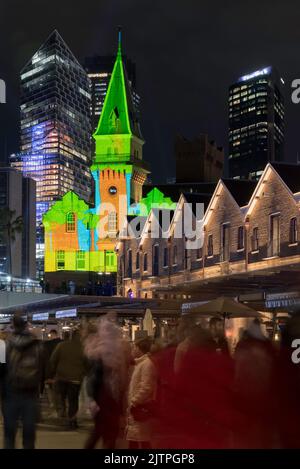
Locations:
(198, 160)
(250, 235)
(256, 123)
(55, 126)
(17, 194)
(79, 237)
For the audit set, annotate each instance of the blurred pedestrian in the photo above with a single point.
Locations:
(49, 347)
(2, 366)
(255, 389)
(288, 384)
(184, 332)
(141, 397)
(68, 367)
(199, 405)
(216, 327)
(107, 382)
(71, 287)
(22, 383)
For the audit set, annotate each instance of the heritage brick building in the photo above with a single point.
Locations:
(248, 231)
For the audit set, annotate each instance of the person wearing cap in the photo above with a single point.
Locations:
(142, 390)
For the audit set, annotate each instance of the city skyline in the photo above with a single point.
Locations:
(167, 57)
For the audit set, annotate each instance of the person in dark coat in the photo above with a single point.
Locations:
(68, 367)
(49, 347)
(24, 357)
(216, 326)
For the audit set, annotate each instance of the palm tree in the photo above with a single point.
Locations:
(10, 226)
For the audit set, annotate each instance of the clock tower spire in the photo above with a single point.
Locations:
(118, 168)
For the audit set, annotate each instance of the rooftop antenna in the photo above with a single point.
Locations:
(119, 39)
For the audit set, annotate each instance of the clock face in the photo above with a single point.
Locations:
(112, 190)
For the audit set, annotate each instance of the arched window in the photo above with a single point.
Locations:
(70, 222)
(114, 118)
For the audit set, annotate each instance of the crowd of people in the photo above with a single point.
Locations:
(187, 390)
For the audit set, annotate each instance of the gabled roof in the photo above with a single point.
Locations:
(155, 199)
(162, 217)
(240, 189)
(118, 116)
(175, 190)
(193, 199)
(221, 186)
(270, 168)
(70, 202)
(290, 174)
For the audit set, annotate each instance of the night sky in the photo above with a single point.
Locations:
(187, 53)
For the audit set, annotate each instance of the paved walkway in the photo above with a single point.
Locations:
(51, 437)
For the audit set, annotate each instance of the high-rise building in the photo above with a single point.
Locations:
(256, 123)
(17, 194)
(55, 126)
(99, 70)
(198, 160)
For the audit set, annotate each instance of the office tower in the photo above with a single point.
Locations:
(256, 123)
(55, 126)
(17, 194)
(99, 70)
(198, 160)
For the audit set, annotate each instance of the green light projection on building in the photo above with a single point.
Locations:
(72, 241)
(154, 199)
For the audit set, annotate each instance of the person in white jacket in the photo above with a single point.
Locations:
(142, 390)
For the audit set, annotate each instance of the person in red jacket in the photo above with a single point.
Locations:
(288, 384)
(198, 409)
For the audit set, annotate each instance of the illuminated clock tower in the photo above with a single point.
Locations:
(118, 168)
(79, 238)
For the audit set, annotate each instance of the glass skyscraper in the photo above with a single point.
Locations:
(55, 126)
(256, 123)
